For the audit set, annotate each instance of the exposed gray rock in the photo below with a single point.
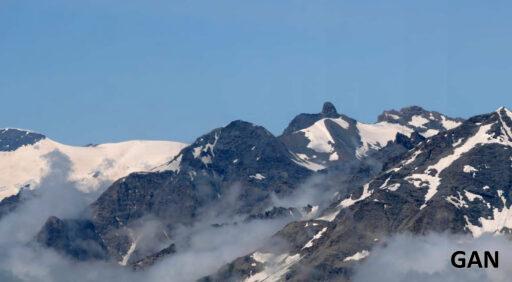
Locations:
(11, 139)
(420, 120)
(75, 238)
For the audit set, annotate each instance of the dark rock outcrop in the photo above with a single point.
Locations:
(75, 238)
(12, 139)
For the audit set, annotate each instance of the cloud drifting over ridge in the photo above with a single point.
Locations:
(202, 244)
(206, 248)
(21, 259)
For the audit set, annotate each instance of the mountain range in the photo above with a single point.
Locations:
(336, 188)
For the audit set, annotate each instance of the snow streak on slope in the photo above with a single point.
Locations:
(275, 266)
(317, 236)
(92, 166)
(303, 160)
(418, 121)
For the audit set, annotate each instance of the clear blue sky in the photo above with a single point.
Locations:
(105, 70)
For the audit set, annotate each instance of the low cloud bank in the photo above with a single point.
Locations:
(202, 248)
(22, 259)
(428, 259)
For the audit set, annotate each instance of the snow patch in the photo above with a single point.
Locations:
(448, 123)
(457, 201)
(358, 256)
(341, 122)
(472, 196)
(418, 121)
(413, 157)
(306, 163)
(173, 165)
(205, 153)
(275, 266)
(349, 201)
(458, 142)
(393, 187)
(430, 133)
(257, 176)
(320, 139)
(130, 251)
(330, 216)
(393, 116)
(469, 169)
(376, 136)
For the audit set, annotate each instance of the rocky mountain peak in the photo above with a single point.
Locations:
(404, 114)
(427, 123)
(304, 120)
(240, 127)
(329, 109)
(503, 111)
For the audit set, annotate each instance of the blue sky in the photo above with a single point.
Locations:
(105, 70)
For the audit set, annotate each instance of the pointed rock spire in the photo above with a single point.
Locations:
(329, 109)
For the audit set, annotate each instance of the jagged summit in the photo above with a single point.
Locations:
(427, 123)
(227, 147)
(404, 113)
(504, 111)
(413, 109)
(240, 125)
(329, 109)
(305, 120)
